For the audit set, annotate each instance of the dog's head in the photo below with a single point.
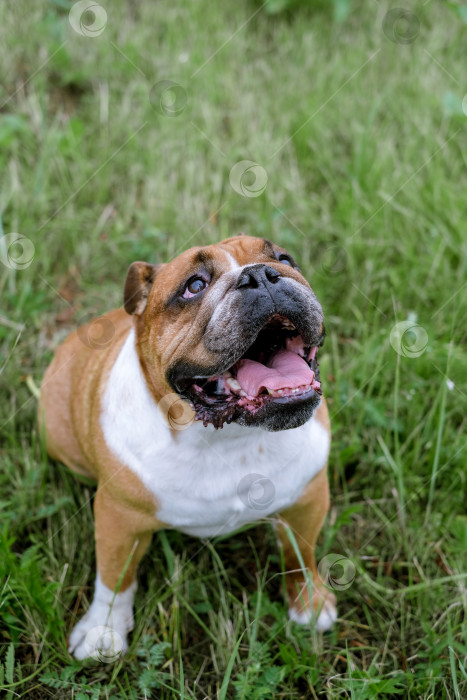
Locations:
(233, 328)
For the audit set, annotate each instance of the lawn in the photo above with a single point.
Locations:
(354, 118)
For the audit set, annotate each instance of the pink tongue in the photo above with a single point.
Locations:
(286, 370)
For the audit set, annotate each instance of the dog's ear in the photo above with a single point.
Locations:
(139, 280)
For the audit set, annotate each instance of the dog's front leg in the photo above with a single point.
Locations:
(122, 536)
(305, 519)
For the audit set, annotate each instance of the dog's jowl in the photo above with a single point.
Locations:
(197, 406)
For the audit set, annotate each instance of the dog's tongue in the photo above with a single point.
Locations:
(285, 370)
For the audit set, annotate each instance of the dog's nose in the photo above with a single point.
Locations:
(255, 275)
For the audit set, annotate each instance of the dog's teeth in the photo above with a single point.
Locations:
(289, 391)
(233, 384)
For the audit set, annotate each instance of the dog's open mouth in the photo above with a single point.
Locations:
(278, 368)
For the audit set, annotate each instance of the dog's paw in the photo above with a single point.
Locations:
(102, 632)
(327, 616)
(323, 620)
(104, 643)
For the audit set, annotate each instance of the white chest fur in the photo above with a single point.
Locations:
(206, 482)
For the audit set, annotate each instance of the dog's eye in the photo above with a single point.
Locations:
(194, 286)
(286, 260)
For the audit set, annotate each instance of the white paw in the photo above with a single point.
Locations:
(102, 632)
(101, 642)
(301, 617)
(325, 620)
(327, 616)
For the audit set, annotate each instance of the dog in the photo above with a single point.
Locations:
(198, 395)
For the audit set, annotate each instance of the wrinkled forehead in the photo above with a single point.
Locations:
(230, 254)
(245, 249)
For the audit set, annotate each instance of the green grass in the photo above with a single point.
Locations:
(364, 143)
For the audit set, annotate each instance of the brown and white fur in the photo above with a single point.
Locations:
(100, 409)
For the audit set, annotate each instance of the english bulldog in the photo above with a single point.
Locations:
(198, 407)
